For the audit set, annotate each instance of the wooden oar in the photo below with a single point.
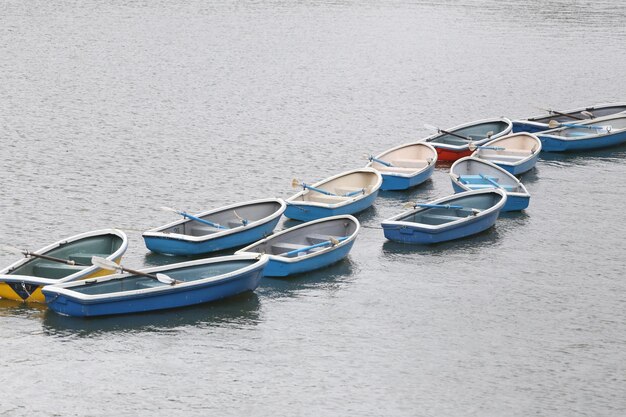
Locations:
(331, 241)
(194, 218)
(295, 184)
(30, 254)
(558, 113)
(112, 266)
(553, 124)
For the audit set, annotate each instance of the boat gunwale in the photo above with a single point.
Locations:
(30, 279)
(431, 163)
(157, 233)
(455, 177)
(311, 255)
(390, 222)
(533, 119)
(66, 289)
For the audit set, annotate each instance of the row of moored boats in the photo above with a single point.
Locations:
(74, 276)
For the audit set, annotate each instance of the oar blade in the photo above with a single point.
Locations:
(295, 183)
(409, 204)
(12, 249)
(553, 124)
(104, 263)
(165, 279)
(173, 210)
(431, 127)
(472, 147)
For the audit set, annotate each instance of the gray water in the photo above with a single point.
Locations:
(109, 110)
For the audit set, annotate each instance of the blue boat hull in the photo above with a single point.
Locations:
(553, 144)
(396, 182)
(419, 235)
(176, 297)
(173, 246)
(279, 268)
(307, 212)
(521, 168)
(513, 202)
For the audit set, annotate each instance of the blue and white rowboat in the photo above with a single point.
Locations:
(308, 246)
(197, 282)
(347, 193)
(448, 218)
(475, 174)
(405, 166)
(516, 153)
(540, 123)
(591, 134)
(218, 229)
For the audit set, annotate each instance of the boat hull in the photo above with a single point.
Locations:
(174, 298)
(401, 182)
(307, 212)
(418, 235)
(277, 267)
(552, 143)
(175, 246)
(520, 168)
(449, 155)
(520, 126)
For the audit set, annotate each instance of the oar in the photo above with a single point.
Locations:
(558, 113)
(331, 241)
(295, 184)
(357, 192)
(472, 147)
(436, 129)
(194, 218)
(552, 124)
(440, 206)
(486, 178)
(112, 266)
(28, 254)
(380, 161)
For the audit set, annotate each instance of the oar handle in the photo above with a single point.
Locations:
(317, 190)
(486, 178)
(442, 206)
(199, 220)
(307, 248)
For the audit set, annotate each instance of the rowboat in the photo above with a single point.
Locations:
(448, 218)
(590, 134)
(516, 153)
(194, 282)
(218, 229)
(453, 143)
(405, 166)
(347, 193)
(308, 246)
(475, 174)
(540, 123)
(65, 261)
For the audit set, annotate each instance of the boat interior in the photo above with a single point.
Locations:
(79, 251)
(475, 132)
(607, 126)
(471, 206)
(226, 219)
(516, 148)
(603, 111)
(184, 274)
(405, 160)
(478, 175)
(343, 188)
(307, 236)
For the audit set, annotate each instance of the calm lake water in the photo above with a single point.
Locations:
(109, 110)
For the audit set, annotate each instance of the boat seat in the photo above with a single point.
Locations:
(409, 163)
(201, 230)
(318, 238)
(503, 158)
(434, 219)
(283, 247)
(55, 270)
(399, 170)
(326, 199)
(486, 186)
(469, 178)
(85, 258)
